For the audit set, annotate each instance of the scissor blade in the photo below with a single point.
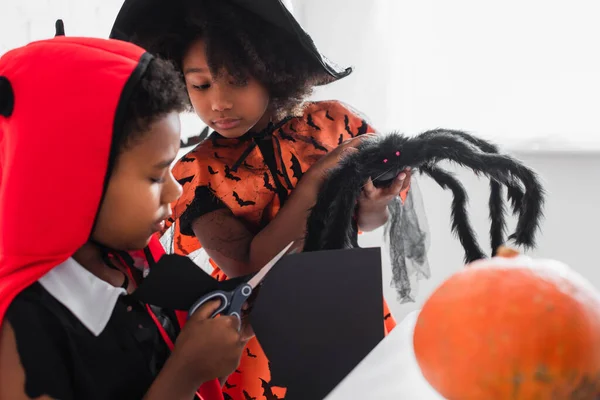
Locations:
(256, 279)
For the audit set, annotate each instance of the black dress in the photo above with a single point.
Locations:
(64, 360)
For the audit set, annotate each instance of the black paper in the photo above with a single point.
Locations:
(317, 316)
(176, 282)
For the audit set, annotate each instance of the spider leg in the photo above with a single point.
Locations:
(515, 195)
(496, 205)
(329, 225)
(515, 192)
(460, 219)
(500, 167)
(497, 213)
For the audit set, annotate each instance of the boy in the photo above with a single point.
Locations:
(88, 131)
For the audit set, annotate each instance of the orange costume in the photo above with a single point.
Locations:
(241, 175)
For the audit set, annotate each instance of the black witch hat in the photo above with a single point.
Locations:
(161, 13)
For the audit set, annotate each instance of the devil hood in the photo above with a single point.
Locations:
(61, 100)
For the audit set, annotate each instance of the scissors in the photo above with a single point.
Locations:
(233, 301)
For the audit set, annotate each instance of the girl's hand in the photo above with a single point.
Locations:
(373, 201)
(318, 172)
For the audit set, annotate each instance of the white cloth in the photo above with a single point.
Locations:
(88, 297)
(390, 371)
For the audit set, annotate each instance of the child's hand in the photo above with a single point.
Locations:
(247, 331)
(319, 170)
(372, 202)
(207, 348)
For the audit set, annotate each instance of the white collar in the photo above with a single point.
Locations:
(88, 297)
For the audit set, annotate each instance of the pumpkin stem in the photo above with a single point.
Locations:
(507, 252)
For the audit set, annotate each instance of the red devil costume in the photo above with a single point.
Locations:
(62, 103)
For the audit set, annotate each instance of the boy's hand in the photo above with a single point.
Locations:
(207, 348)
(246, 331)
(373, 201)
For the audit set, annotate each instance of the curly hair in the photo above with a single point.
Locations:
(239, 43)
(159, 92)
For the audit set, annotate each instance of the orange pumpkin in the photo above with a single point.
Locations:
(511, 328)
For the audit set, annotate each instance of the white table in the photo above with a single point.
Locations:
(390, 371)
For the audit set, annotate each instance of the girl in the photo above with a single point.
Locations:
(249, 187)
(69, 329)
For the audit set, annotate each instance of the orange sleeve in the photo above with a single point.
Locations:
(355, 122)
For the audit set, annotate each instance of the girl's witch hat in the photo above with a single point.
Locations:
(160, 13)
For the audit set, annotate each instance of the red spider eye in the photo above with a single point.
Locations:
(385, 160)
(397, 154)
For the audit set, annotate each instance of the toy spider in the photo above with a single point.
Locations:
(330, 224)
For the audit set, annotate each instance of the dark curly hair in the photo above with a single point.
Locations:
(159, 92)
(239, 43)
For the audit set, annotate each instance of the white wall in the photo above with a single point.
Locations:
(524, 73)
(23, 21)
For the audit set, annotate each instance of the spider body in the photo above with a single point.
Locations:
(382, 158)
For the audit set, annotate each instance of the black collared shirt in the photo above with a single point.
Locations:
(65, 360)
